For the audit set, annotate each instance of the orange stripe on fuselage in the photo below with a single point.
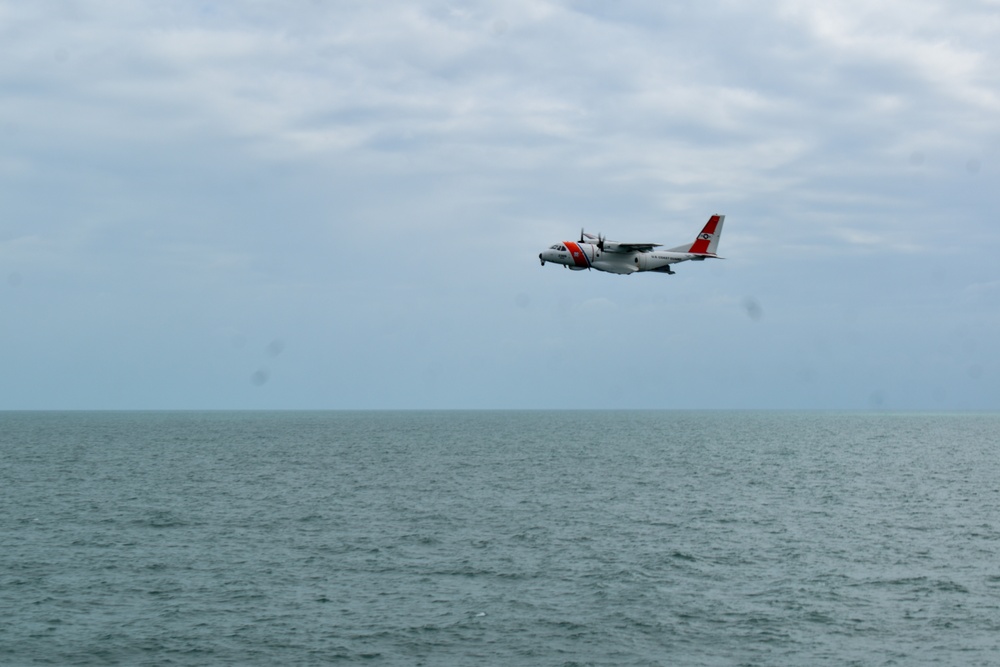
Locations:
(579, 256)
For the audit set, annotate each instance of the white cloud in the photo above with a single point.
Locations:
(383, 152)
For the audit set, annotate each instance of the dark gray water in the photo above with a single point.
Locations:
(475, 538)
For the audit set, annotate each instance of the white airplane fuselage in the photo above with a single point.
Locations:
(626, 258)
(580, 256)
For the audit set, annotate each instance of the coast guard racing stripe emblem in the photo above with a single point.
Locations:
(579, 256)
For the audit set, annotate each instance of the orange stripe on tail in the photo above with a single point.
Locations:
(700, 244)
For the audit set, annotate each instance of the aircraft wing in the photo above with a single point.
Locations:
(634, 247)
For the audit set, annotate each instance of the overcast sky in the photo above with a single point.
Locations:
(312, 204)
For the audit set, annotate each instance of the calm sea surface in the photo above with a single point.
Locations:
(499, 538)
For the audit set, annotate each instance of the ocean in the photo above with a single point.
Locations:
(499, 538)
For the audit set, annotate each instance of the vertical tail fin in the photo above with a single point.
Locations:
(708, 239)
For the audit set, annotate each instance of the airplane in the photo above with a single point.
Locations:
(596, 252)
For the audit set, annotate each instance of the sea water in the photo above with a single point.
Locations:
(499, 538)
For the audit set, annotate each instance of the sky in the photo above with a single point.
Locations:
(339, 205)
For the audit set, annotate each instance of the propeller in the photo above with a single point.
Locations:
(588, 238)
(585, 238)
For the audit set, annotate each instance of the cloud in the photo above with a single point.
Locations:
(388, 171)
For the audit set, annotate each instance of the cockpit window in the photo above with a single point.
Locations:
(558, 247)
